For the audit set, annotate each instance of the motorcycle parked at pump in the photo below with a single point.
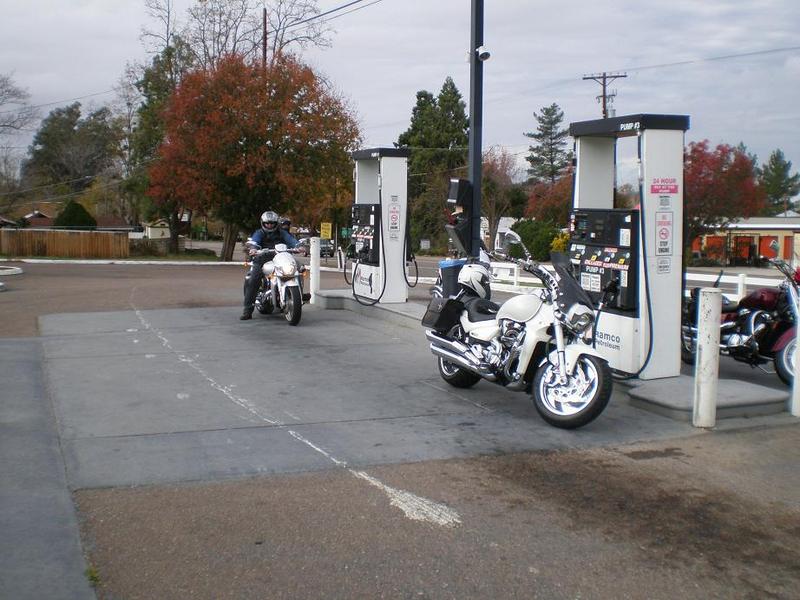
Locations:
(281, 283)
(540, 342)
(757, 330)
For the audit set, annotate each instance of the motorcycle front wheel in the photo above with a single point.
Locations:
(578, 401)
(784, 362)
(293, 305)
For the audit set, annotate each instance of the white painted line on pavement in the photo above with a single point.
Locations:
(414, 507)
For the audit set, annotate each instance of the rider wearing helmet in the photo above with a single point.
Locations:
(269, 234)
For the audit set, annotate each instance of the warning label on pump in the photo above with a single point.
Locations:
(394, 218)
(663, 233)
(590, 282)
(664, 185)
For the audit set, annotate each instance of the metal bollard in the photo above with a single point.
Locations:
(794, 400)
(516, 276)
(706, 367)
(314, 269)
(741, 287)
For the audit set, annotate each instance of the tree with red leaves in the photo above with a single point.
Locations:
(720, 187)
(552, 202)
(242, 138)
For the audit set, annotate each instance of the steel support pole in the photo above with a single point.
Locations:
(706, 368)
(794, 399)
(314, 249)
(475, 124)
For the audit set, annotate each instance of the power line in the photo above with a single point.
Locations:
(329, 12)
(2, 112)
(715, 58)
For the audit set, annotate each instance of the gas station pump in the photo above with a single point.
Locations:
(633, 259)
(379, 230)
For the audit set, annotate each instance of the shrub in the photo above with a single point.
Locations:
(537, 236)
(74, 215)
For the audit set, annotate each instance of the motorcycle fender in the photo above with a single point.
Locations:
(572, 353)
(786, 337)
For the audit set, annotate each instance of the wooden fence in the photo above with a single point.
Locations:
(63, 244)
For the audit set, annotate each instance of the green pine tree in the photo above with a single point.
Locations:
(776, 178)
(548, 156)
(437, 136)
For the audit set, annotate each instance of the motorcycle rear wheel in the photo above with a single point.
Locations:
(784, 362)
(580, 401)
(293, 305)
(453, 374)
(688, 350)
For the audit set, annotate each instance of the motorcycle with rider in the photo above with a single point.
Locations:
(273, 279)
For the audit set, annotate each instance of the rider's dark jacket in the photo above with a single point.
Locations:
(268, 239)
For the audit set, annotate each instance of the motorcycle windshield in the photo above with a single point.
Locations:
(570, 291)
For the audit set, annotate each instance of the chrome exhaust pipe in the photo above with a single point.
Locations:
(463, 362)
(459, 354)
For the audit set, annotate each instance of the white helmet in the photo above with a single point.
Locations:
(269, 221)
(475, 277)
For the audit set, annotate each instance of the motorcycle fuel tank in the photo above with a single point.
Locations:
(762, 298)
(520, 308)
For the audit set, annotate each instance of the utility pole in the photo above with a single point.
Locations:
(476, 123)
(264, 41)
(604, 79)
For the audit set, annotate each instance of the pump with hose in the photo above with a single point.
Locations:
(379, 245)
(630, 260)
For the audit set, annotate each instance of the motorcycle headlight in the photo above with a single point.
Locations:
(285, 266)
(579, 317)
(287, 270)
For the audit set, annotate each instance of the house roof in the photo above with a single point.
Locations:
(792, 223)
(40, 221)
(36, 214)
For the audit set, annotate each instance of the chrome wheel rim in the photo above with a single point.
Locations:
(289, 306)
(571, 398)
(790, 354)
(447, 367)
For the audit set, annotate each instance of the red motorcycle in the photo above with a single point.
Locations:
(757, 330)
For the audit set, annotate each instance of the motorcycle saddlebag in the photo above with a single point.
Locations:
(442, 314)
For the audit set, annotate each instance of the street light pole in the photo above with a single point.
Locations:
(475, 123)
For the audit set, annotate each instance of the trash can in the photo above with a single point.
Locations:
(449, 269)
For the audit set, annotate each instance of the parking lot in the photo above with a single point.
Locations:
(213, 458)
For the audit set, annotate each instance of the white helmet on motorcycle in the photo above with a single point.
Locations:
(269, 220)
(475, 278)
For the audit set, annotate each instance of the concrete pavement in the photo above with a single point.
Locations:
(348, 432)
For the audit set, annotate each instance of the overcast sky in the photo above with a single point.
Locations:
(383, 54)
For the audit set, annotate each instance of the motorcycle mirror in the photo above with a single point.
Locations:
(774, 245)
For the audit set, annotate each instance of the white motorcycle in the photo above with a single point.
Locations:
(540, 342)
(281, 284)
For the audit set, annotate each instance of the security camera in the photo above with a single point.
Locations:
(483, 53)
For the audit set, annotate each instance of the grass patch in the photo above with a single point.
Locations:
(92, 575)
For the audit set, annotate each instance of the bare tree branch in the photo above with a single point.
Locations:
(15, 112)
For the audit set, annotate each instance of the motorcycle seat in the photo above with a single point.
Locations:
(479, 309)
(730, 307)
